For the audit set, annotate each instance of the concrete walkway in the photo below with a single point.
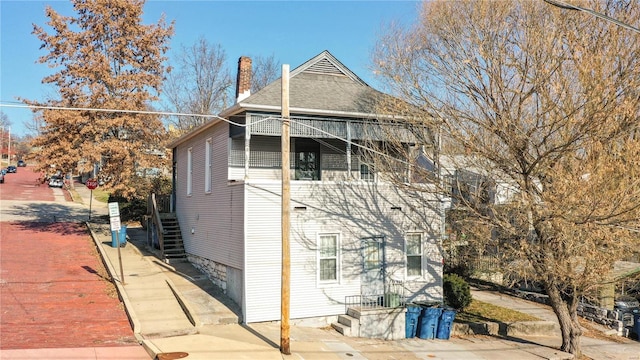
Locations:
(175, 311)
(613, 348)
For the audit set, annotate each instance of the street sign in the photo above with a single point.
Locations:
(91, 183)
(114, 210)
(115, 223)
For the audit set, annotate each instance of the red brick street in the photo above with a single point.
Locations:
(54, 288)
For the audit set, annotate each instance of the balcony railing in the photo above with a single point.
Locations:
(316, 127)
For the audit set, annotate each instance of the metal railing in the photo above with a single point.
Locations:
(393, 297)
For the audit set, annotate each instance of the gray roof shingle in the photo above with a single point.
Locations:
(321, 83)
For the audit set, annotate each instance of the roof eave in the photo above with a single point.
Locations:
(193, 133)
(307, 111)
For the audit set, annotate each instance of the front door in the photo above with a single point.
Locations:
(373, 273)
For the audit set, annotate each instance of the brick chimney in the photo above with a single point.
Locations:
(243, 83)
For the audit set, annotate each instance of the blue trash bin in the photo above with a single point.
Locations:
(636, 325)
(429, 322)
(445, 324)
(122, 234)
(411, 321)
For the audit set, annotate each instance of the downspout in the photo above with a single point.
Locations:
(438, 150)
(247, 146)
(349, 174)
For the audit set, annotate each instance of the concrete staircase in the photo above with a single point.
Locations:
(376, 323)
(349, 324)
(173, 244)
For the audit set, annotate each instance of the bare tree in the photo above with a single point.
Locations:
(5, 128)
(200, 84)
(265, 70)
(541, 104)
(4, 120)
(35, 125)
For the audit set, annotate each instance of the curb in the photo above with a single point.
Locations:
(184, 304)
(135, 323)
(518, 328)
(147, 344)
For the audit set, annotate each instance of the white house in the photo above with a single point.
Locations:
(354, 237)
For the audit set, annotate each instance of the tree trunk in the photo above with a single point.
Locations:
(566, 311)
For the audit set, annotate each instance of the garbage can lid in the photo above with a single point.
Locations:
(427, 303)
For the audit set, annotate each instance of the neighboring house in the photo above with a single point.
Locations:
(354, 237)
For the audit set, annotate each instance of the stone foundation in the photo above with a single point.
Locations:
(216, 272)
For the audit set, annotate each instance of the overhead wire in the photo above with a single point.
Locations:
(210, 116)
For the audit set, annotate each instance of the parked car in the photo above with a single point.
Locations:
(1, 178)
(4, 171)
(12, 169)
(56, 181)
(21, 163)
(627, 307)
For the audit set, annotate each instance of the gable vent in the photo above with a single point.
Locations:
(324, 66)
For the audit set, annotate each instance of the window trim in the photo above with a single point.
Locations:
(208, 164)
(307, 147)
(366, 173)
(407, 255)
(338, 258)
(190, 171)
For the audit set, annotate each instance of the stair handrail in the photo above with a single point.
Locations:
(155, 215)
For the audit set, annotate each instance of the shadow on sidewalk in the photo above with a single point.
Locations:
(137, 237)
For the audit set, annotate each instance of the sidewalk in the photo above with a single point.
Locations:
(175, 311)
(615, 348)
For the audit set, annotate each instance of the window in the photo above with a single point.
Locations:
(366, 172)
(413, 248)
(307, 160)
(207, 169)
(328, 258)
(189, 171)
(372, 254)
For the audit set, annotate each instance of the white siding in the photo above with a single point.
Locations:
(263, 255)
(211, 222)
(238, 224)
(355, 211)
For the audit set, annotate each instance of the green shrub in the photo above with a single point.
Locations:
(457, 293)
(461, 269)
(133, 209)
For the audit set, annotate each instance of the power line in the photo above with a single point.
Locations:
(564, 5)
(208, 116)
(146, 112)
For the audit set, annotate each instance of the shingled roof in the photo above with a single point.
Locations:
(320, 85)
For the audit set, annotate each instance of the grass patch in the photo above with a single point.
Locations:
(101, 195)
(480, 311)
(75, 196)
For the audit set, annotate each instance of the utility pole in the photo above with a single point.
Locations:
(286, 199)
(1, 144)
(9, 148)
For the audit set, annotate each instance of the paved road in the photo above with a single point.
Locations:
(55, 294)
(54, 288)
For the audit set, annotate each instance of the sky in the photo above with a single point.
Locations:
(290, 31)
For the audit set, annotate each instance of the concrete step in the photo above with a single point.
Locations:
(342, 329)
(347, 320)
